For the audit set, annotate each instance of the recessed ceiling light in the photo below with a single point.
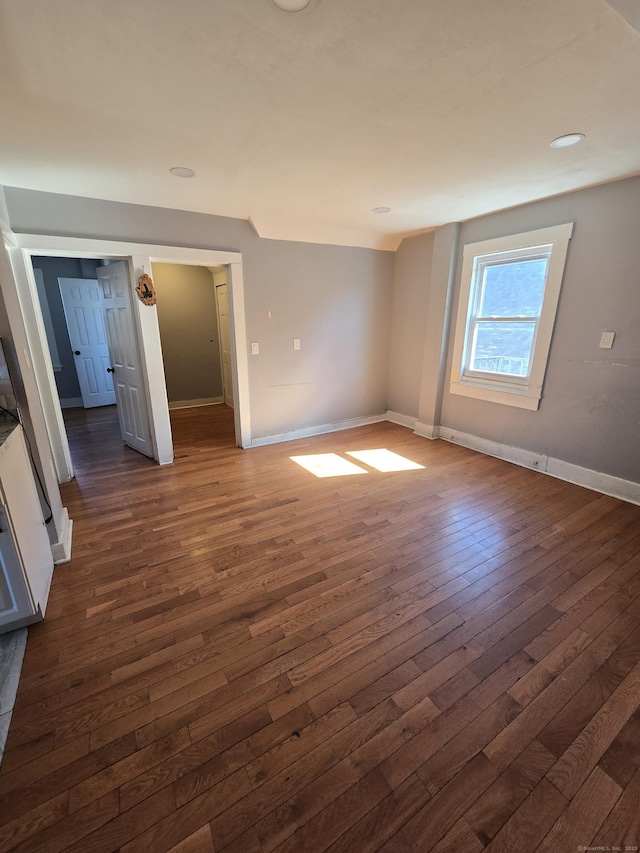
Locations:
(567, 140)
(182, 172)
(291, 5)
(381, 210)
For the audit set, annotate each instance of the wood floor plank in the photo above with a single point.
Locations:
(384, 820)
(585, 815)
(246, 738)
(332, 821)
(622, 758)
(242, 657)
(409, 757)
(496, 805)
(514, 738)
(31, 785)
(459, 837)
(570, 721)
(434, 820)
(461, 749)
(198, 842)
(622, 826)
(573, 767)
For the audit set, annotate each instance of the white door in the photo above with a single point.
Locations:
(128, 382)
(222, 304)
(83, 311)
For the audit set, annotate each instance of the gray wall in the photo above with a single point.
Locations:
(590, 411)
(337, 300)
(188, 331)
(52, 270)
(411, 282)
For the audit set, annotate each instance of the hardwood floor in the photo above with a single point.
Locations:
(243, 657)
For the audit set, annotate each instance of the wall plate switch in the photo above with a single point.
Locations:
(606, 340)
(296, 343)
(255, 349)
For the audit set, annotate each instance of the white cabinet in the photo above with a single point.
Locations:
(26, 562)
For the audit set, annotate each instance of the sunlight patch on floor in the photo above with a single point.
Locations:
(333, 465)
(328, 465)
(384, 460)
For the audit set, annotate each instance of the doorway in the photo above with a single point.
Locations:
(195, 334)
(139, 257)
(49, 272)
(90, 330)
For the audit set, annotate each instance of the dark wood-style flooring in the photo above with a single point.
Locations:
(243, 657)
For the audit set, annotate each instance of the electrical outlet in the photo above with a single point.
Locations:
(296, 343)
(606, 340)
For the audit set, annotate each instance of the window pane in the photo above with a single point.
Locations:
(503, 348)
(513, 289)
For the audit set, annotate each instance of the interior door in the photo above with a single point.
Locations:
(133, 412)
(222, 303)
(83, 311)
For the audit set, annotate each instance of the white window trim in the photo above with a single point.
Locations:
(499, 390)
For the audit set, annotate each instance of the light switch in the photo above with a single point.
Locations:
(606, 341)
(296, 343)
(255, 349)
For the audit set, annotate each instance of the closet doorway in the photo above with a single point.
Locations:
(193, 319)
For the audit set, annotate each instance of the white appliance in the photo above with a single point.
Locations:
(26, 561)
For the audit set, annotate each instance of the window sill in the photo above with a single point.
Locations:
(521, 399)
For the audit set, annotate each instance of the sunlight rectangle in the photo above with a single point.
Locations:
(328, 465)
(384, 460)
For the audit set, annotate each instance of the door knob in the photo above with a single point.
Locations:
(109, 369)
(76, 352)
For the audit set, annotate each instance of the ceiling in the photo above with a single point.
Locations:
(441, 110)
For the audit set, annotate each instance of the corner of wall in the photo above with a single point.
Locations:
(4, 210)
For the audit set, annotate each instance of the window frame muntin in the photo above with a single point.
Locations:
(501, 388)
(478, 284)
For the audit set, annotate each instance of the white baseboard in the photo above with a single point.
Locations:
(427, 430)
(192, 404)
(400, 419)
(607, 484)
(62, 550)
(71, 403)
(317, 430)
(419, 428)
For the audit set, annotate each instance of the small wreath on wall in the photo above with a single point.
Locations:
(145, 290)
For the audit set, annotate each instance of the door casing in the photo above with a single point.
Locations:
(224, 330)
(140, 258)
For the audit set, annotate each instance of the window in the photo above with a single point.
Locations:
(508, 299)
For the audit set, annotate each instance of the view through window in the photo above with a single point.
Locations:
(509, 291)
(509, 300)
